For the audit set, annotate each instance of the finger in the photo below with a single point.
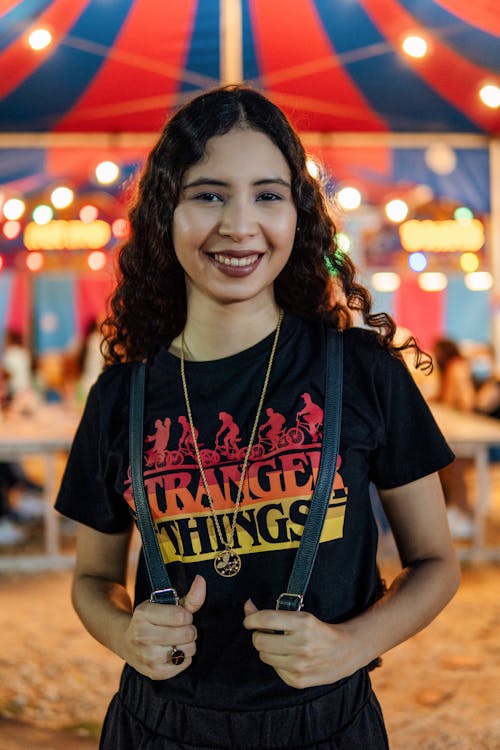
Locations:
(274, 644)
(162, 614)
(195, 597)
(249, 607)
(269, 619)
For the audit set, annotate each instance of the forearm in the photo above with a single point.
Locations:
(105, 609)
(413, 600)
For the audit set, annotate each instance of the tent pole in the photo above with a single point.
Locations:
(494, 246)
(231, 42)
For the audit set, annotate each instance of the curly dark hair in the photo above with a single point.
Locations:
(148, 307)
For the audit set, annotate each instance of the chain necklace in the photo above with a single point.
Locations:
(228, 563)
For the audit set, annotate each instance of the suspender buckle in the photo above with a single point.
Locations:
(292, 602)
(164, 596)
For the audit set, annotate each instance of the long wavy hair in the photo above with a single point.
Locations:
(148, 307)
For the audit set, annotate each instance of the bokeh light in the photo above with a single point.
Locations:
(386, 281)
(396, 210)
(88, 214)
(480, 281)
(120, 228)
(11, 229)
(490, 95)
(469, 262)
(14, 208)
(433, 282)
(417, 261)
(39, 39)
(462, 213)
(34, 261)
(62, 197)
(96, 260)
(313, 168)
(349, 198)
(415, 46)
(107, 172)
(42, 214)
(343, 241)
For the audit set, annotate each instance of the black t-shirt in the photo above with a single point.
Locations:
(388, 437)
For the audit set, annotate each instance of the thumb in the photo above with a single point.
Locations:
(195, 597)
(249, 607)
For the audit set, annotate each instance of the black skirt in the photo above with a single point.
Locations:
(346, 718)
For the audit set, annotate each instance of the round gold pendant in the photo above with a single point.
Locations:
(227, 563)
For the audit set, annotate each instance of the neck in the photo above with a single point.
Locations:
(226, 331)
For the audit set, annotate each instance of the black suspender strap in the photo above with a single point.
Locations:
(293, 598)
(162, 591)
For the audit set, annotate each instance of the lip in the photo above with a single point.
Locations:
(234, 269)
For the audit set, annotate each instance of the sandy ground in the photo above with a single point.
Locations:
(440, 690)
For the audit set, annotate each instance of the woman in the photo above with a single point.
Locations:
(225, 290)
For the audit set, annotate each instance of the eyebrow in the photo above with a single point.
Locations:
(221, 183)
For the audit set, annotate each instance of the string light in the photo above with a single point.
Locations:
(490, 95)
(386, 281)
(396, 210)
(120, 228)
(88, 214)
(107, 172)
(62, 197)
(417, 261)
(469, 262)
(349, 198)
(42, 214)
(415, 46)
(11, 229)
(39, 39)
(480, 281)
(13, 209)
(96, 260)
(432, 282)
(34, 261)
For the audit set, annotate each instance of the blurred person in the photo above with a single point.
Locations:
(16, 359)
(91, 359)
(456, 391)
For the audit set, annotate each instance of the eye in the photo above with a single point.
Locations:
(207, 197)
(268, 196)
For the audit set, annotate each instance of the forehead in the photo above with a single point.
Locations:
(240, 152)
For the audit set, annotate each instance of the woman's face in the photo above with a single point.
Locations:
(234, 225)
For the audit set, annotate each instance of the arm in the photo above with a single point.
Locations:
(143, 637)
(317, 653)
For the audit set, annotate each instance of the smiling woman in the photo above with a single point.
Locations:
(232, 293)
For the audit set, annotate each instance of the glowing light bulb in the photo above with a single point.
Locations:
(34, 261)
(396, 210)
(480, 281)
(42, 214)
(490, 95)
(417, 261)
(62, 197)
(415, 46)
(120, 228)
(462, 213)
(88, 214)
(349, 198)
(13, 209)
(386, 281)
(39, 39)
(432, 282)
(11, 229)
(96, 260)
(107, 172)
(469, 262)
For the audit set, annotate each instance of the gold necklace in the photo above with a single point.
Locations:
(228, 563)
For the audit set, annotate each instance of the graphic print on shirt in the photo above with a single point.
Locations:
(281, 476)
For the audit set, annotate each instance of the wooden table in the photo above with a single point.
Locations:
(49, 430)
(470, 435)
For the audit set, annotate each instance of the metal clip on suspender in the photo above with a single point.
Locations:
(293, 598)
(161, 588)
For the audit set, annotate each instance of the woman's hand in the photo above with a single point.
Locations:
(154, 630)
(306, 651)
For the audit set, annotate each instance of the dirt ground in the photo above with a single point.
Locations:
(439, 690)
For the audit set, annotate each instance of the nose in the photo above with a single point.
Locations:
(238, 219)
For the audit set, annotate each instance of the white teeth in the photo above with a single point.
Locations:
(237, 262)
